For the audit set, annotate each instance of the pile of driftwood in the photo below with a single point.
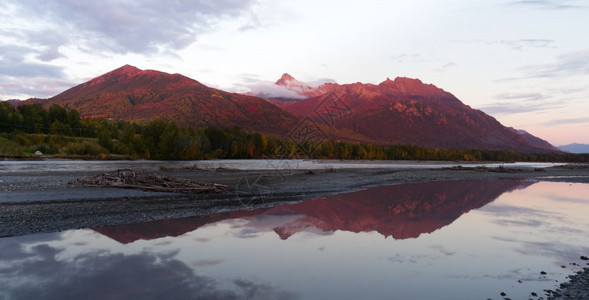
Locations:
(127, 178)
(193, 168)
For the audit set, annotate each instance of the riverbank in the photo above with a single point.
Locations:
(576, 288)
(46, 201)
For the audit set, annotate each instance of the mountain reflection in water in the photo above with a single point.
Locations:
(492, 239)
(400, 211)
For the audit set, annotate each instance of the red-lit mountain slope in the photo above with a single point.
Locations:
(407, 111)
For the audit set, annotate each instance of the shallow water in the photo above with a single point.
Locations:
(28, 167)
(468, 239)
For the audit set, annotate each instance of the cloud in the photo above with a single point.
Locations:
(522, 223)
(13, 62)
(11, 249)
(20, 77)
(545, 4)
(561, 251)
(443, 250)
(253, 23)
(250, 78)
(321, 81)
(510, 108)
(511, 103)
(517, 44)
(521, 96)
(507, 211)
(406, 57)
(25, 67)
(207, 263)
(526, 43)
(252, 290)
(445, 67)
(42, 272)
(576, 200)
(266, 89)
(527, 102)
(566, 70)
(41, 31)
(122, 27)
(567, 121)
(570, 64)
(48, 40)
(39, 86)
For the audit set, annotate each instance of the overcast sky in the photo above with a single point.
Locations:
(524, 62)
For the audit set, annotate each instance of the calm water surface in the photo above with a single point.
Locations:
(469, 239)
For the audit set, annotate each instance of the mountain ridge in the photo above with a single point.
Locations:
(399, 111)
(129, 93)
(408, 111)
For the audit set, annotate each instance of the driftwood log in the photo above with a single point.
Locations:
(500, 169)
(126, 178)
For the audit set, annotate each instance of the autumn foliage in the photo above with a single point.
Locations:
(50, 129)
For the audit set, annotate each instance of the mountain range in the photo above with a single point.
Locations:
(399, 111)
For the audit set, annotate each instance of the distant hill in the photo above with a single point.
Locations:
(575, 148)
(400, 111)
(129, 93)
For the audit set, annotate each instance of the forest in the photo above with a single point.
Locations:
(57, 132)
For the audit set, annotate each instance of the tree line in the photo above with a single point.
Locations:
(55, 126)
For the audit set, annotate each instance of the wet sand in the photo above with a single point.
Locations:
(48, 202)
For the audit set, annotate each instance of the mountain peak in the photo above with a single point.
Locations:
(407, 80)
(412, 86)
(116, 75)
(284, 79)
(128, 70)
(402, 81)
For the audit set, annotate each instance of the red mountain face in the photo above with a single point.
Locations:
(129, 93)
(535, 141)
(407, 111)
(398, 211)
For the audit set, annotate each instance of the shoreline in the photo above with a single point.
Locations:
(48, 202)
(577, 287)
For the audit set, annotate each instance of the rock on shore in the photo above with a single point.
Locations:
(576, 288)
